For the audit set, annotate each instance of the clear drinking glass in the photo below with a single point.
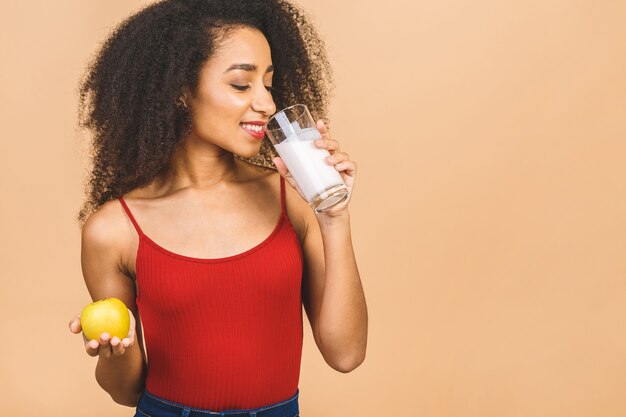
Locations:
(293, 133)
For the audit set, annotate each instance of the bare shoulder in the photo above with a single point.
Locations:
(105, 223)
(108, 230)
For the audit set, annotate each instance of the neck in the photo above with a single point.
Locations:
(199, 166)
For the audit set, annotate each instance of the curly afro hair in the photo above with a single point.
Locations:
(128, 96)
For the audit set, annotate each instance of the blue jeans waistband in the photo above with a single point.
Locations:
(152, 406)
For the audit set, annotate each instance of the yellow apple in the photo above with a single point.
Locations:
(109, 315)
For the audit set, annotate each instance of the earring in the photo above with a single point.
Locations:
(183, 111)
(181, 103)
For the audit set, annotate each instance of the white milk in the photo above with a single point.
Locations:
(307, 163)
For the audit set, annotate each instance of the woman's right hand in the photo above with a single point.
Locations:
(106, 346)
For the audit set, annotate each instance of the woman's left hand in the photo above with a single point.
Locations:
(341, 162)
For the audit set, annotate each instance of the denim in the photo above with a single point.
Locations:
(152, 406)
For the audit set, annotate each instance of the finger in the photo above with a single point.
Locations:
(129, 340)
(337, 157)
(126, 342)
(75, 326)
(116, 346)
(348, 166)
(323, 128)
(329, 144)
(132, 318)
(131, 334)
(284, 172)
(92, 347)
(105, 346)
(282, 168)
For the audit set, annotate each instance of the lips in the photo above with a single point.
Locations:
(254, 129)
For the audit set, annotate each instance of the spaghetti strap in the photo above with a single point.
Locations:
(130, 216)
(282, 195)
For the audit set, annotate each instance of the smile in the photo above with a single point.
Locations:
(255, 131)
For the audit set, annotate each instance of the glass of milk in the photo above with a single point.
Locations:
(293, 133)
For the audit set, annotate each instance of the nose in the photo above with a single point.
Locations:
(263, 102)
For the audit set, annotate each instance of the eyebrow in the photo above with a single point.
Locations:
(248, 67)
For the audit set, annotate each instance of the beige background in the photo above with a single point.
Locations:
(489, 215)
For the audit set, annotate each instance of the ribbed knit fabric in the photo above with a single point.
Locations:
(222, 333)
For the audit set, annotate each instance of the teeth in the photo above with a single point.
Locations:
(252, 127)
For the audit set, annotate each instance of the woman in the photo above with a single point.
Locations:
(189, 224)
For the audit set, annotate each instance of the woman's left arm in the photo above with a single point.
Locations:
(332, 292)
(339, 310)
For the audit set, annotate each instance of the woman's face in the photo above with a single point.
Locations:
(233, 94)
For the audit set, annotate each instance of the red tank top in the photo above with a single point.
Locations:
(222, 333)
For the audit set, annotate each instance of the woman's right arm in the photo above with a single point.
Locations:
(121, 369)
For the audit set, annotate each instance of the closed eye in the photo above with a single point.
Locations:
(245, 87)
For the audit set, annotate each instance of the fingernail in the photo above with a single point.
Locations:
(330, 159)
